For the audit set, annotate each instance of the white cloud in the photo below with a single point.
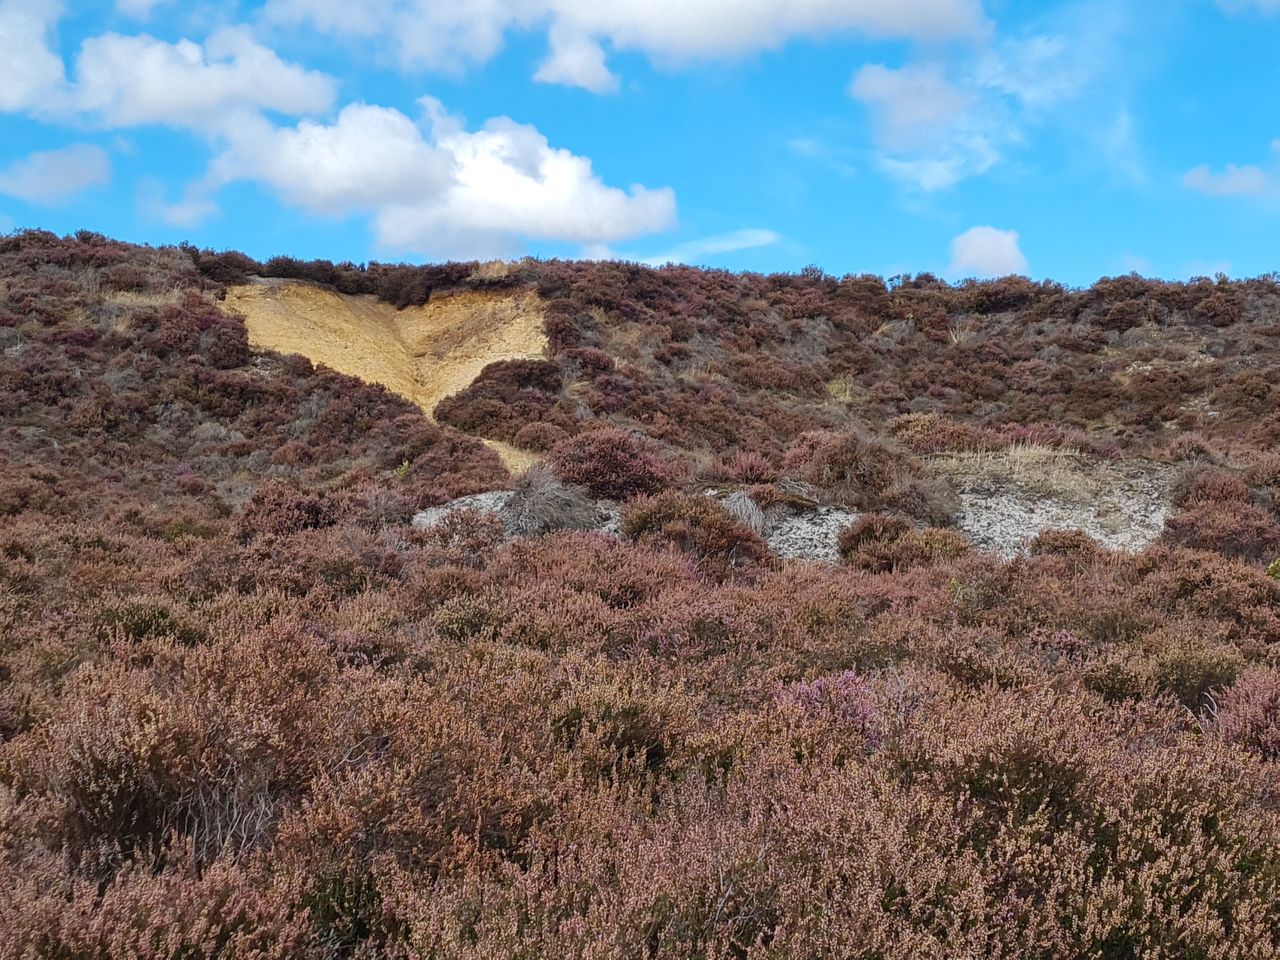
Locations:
(436, 188)
(195, 207)
(576, 60)
(369, 157)
(986, 252)
(510, 184)
(910, 106)
(938, 122)
(930, 132)
(451, 33)
(130, 81)
(1233, 181)
(1133, 263)
(697, 251)
(55, 176)
(125, 81)
(29, 70)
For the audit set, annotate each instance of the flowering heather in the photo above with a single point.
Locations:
(248, 711)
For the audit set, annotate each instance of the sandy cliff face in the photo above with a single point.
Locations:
(422, 353)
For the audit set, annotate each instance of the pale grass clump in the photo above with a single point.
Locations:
(1034, 468)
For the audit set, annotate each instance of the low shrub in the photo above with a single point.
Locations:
(853, 468)
(506, 396)
(926, 433)
(1194, 673)
(1203, 485)
(1248, 713)
(745, 466)
(539, 437)
(463, 537)
(1075, 544)
(611, 463)
(886, 544)
(1232, 528)
(697, 525)
(277, 509)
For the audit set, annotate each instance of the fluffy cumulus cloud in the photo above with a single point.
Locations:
(130, 81)
(986, 252)
(1232, 181)
(451, 33)
(368, 158)
(125, 81)
(52, 177)
(29, 69)
(435, 187)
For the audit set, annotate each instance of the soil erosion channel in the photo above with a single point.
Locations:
(423, 353)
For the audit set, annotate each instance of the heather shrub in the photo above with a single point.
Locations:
(1192, 672)
(464, 537)
(1204, 485)
(1232, 528)
(541, 503)
(590, 361)
(885, 544)
(247, 711)
(611, 463)
(539, 437)
(864, 473)
(930, 500)
(745, 466)
(697, 525)
(926, 433)
(872, 528)
(1248, 713)
(1193, 447)
(1118, 678)
(504, 397)
(1073, 544)
(848, 699)
(275, 509)
(139, 620)
(1264, 471)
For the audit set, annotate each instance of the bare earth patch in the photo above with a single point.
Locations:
(1009, 496)
(423, 353)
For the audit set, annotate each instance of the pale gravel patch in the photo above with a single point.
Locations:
(1121, 504)
(809, 535)
(491, 502)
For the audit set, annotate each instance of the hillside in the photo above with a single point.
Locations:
(250, 708)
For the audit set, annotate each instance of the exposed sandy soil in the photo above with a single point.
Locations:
(422, 353)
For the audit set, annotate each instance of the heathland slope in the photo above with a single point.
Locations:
(249, 710)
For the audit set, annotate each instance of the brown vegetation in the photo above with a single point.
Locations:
(247, 711)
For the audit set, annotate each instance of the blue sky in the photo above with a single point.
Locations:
(964, 137)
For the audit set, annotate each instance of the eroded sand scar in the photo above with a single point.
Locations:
(423, 353)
